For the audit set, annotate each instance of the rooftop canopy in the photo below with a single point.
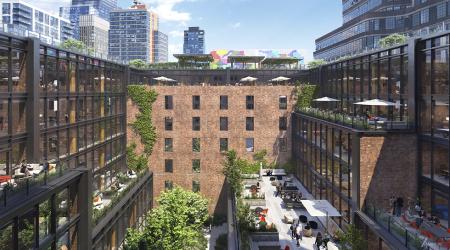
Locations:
(245, 59)
(194, 59)
(281, 60)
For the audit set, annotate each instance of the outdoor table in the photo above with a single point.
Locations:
(437, 231)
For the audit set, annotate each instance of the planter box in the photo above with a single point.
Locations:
(255, 202)
(265, 236)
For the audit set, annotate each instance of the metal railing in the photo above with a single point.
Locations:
(356, 122)
(408, 237)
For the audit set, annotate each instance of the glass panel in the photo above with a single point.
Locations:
(26, 230)
(19, 71)
(44, 219)
(18, 116)
(62, 208)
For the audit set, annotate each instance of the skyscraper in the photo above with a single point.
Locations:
(104, 7)
(131, 33)
(73, 13)
(160, 47)
(194, 41)
(94, 33)
(366, 22)
(23, 19)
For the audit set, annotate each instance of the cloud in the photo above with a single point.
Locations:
(176, 33)
(166, 11)
(175, 48)
(236, 25)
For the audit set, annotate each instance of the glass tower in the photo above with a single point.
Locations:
(194, 41)
(104, 7)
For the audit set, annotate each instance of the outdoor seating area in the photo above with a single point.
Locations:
(284, 206)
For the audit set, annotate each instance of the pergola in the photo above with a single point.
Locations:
(256, 60)
(194, 60)
(286, 61)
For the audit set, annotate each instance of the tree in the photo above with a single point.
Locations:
(73, 45)
(392, 40)
(138, 64)
(316, 63)
(175, 224)
(352, 239)
(232, 172)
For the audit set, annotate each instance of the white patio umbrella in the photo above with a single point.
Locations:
(320, 208)
(164, 79)
(249, 79)
(326, 99)
(375, 102)
(280, 79)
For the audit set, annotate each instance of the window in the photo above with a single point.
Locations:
(168, 185)
(282, 143)
(196, 102)
(249, 144)
(424, 16)
(440, 9)
(196, 186)
(223, 144)
(168, 102)
(168, 165)
(416, 19)
(249, 123)
(196, 123)
(250, 102)
(196, 165)
(223, 102)
(168, 144)
(195, 144)
(283, 102)
(282, 124)
(223, 123)
(390, 23)
(168, 123)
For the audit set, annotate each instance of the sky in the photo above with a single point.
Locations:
(241, 24)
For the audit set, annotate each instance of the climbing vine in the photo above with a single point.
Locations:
(305, 95)
(143, 126)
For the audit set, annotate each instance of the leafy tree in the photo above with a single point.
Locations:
(138, 64)
(135, 162)
(316, 63)
(352, 239)
(392, 40)
(232, 172)
(73, 45)
(175, 224)
(305, 95)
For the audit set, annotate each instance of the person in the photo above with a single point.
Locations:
(298, 232)
(367, 113)
(286, 247)
(318, 240)
(24, 168)
(292, 230)
(278, 191)
(257, 184)
(399, 207)
(392, 204)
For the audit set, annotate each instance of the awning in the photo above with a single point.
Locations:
(326, 99)
(164, 79)
(280, 79)
(375, 102)
(249, 79)
(320, 208)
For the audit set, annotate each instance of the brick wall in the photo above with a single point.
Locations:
(388, 166)
(266, 115)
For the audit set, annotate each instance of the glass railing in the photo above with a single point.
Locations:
(409, 237)
(357, 122)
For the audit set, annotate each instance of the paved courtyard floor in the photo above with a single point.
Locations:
(276, 214)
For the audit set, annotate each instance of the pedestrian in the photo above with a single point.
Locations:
(276, 193)
(318, 240)
(399, 207)
(286, 247)
(299, 232)
(292, 231)
(392, 204)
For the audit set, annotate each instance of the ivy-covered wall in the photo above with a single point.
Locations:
(142, 126)
(305, 95)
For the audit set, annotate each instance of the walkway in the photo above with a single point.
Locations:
(277, 211)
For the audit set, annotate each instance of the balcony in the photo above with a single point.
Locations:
(359, 122)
